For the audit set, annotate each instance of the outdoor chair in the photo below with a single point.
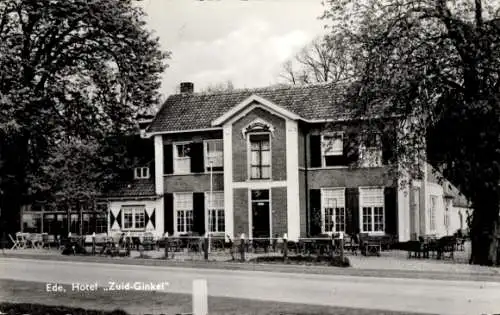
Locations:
(460, 245)
(148, 241)
(36, 241)
(350, 244)
(18, 242)
(50, 240)
(446, 245)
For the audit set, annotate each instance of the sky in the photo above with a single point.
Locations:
(244, 41)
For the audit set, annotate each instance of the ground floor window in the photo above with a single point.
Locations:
(372, 209)
(101, 223)
(184, 212)
(333, 210)
(134, 217)
(215, 207)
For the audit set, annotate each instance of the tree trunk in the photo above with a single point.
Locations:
(485, 231)
(10, 218)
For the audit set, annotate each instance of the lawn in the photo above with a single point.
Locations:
(135, 302)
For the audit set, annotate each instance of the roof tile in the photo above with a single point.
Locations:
(198, 110)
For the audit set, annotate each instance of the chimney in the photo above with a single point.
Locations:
(187, 87)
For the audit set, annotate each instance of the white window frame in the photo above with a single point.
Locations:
(208, 210)
(249, 156)
(187, 213)
(338, 152)
(141, 172)
(176, 158)
(432, 212)
(134, 209)
(339, 206)
(206, 155)
(371, 156)
(371, 205)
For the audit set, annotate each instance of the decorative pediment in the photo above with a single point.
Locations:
(258, 125)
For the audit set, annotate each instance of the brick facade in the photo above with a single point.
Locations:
(279, 211)
(278, 145)
(193, 182)
(348, 177)
(240, 206)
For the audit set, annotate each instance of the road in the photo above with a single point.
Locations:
(392, 294)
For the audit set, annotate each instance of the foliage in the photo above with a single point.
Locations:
(74, 75)
(325, 59)
(227, 86)
(435, 63)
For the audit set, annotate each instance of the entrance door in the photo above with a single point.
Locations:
(260, 214)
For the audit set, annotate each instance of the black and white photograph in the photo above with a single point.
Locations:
(217, 157)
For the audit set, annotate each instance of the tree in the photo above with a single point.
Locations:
(436, 64)
(325, 59)
(227, 86)
(74, 75)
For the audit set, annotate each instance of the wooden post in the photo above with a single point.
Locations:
(205, 246)
(200, 300)
(341, 239)
(242, 247)
(93, 244)
(166, 245)
(285, 248)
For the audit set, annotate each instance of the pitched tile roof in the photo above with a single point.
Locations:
(198, 110)
(133, 188)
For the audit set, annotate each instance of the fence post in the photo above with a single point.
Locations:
(242, 247)
(285, 248)
(341, 241)
(332, 246)
(205, 245)
(200, 300)
(166, 245)
(93, 244)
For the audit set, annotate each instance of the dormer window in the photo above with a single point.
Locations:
(141, 173)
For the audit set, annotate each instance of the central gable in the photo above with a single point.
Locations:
(249, 104)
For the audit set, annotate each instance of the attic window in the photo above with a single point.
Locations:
(141, 173)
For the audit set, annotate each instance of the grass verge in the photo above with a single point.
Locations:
(137, 302)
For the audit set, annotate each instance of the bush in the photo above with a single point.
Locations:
(300, 260)
(38, 309)
(74, 249)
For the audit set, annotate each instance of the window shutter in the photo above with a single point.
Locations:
(169, 213)
(197, 159)
(119, 219)
(352, 211)
(351, 148)
(315, 150)
(388, 143)
(199, 213)
(168, 159)
(390, 209)
(315, 210)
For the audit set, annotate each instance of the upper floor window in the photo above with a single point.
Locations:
(371, 150)
(333, 210)
(260, 156)
(141, 172)
(214, 156)
(134, 217)
(372, 209)
(332, 146)
(182, 159)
